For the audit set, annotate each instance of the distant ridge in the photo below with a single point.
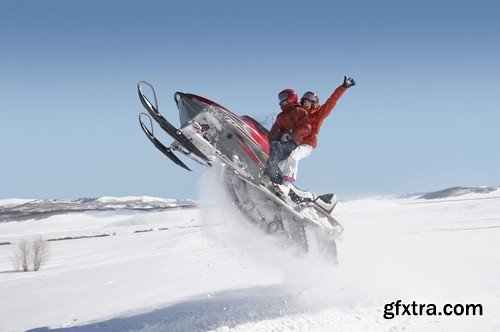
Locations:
(457, 191)
(40, 209)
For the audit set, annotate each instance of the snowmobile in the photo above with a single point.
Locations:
(210, 134)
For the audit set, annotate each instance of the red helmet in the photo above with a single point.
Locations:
(289, 95)
(312, 97)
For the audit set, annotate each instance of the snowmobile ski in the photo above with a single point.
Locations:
(159, 145)
(165, 125)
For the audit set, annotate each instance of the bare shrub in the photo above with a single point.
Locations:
(21, 258)
(39, 252)
(15, 262)
(35, 252)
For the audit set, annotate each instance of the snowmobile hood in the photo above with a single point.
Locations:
(190, 105)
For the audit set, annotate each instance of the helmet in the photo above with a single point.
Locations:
(289, 95)
(312, 97)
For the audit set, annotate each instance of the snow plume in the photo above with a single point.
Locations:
(227, 226)
(307, 277)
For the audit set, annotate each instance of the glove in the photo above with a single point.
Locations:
(348, 82)
(286, 137)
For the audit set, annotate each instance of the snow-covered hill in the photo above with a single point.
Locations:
(458, 191)
(16, 209)
(203, 268)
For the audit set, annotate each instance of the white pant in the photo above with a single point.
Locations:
(290, 166)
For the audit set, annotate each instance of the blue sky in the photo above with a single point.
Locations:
(424, 116)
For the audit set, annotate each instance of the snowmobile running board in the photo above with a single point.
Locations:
(175, 133)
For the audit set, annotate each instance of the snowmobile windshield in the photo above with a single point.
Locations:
(257, 124)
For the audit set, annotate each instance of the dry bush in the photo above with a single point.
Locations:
(15, 262)
(39, 252)
(35, 252)
(21, 259)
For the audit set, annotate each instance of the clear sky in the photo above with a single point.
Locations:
(425, 114)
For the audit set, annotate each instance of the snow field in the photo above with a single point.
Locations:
(210, 270)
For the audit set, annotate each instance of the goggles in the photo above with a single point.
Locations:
(307, 100)
(284, 96)
(310, 96)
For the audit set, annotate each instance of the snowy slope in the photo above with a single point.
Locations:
(205, 269)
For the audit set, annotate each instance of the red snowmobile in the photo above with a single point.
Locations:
(212, 135)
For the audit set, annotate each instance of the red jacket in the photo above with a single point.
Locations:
(293, 120)
(317, 117)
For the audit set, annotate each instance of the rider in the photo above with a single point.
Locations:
(286, 134)
(317, 114)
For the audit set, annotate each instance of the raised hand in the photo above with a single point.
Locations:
(348, 82)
